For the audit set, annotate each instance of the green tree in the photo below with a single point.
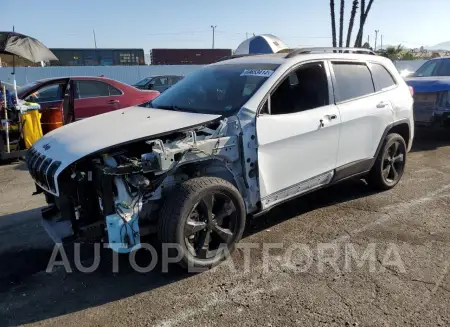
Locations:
(393, 53)
(408, 56)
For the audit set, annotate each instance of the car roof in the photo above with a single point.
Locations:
(280, 58)
(440, 58)
(93, 78)
(162, 75)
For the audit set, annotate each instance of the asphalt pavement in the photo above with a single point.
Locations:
(343, 256)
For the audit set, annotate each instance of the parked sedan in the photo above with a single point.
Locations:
(158, 83)
(431, 84)
(66, 99)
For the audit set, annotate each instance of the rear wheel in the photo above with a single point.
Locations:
(390, 163)
(205, 217)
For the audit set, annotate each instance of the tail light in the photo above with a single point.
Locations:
(411, 90)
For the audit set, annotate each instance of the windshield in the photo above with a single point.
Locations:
(438, 67)
(143, 82)
(217, 89)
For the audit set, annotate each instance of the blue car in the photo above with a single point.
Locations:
(431, 84)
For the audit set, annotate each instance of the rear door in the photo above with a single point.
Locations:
(364, 112)
(95, 97)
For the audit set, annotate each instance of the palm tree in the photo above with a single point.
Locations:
(333, 23)
(392, 52)
(351, 22)
(359, 36)
(361, 21)
(341, 24)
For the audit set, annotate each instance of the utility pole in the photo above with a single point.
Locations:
(376, 39)
(95, 40)
(213, 30)
(246, 35)
(381, 43)
(368, 39)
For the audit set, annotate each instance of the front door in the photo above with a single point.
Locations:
(50, 98)
(298, 135)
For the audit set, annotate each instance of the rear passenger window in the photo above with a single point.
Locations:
(92, 89)
(114, 91)
(381, 77)
(353, 80)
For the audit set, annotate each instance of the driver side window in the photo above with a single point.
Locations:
(46, 94)
(303, 89)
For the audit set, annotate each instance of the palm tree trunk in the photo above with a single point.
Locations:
(361, 23)
(341, 24)
(333, 23)
(360, 36)
(351, 22)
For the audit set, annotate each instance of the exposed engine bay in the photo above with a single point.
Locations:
(114, 196)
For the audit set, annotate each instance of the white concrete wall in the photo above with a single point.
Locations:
(126, 74)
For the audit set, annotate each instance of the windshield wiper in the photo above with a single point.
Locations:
(174, 108)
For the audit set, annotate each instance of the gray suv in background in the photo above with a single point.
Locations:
(158, 83)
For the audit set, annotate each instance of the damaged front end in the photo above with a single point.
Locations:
(114, 196)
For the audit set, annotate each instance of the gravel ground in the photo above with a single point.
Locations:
(405, 282)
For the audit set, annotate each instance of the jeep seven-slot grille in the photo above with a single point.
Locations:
(42, 169)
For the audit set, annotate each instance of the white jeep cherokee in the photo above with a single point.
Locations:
(231, 140)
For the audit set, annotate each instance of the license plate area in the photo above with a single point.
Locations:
(425, 101)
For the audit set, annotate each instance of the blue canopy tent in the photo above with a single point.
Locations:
(264, 43)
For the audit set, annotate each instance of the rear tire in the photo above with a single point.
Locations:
(389, 164)
(205, 217)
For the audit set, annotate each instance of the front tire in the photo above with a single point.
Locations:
(389, 164)
(205, 217)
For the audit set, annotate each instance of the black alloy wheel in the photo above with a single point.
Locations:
(205, 217)
(393, 162)
(390, 163)
(211, 224)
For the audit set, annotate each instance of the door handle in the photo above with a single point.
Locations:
(329, 117)
(113, 101)
(381, 105)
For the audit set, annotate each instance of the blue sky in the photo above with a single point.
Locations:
(186, 24)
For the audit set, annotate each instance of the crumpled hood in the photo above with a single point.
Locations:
(77, 140)
(429, 84)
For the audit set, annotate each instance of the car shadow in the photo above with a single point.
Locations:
(336, 194)
(428, 139)
(29, 294)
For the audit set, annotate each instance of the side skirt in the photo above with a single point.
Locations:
(353, 169)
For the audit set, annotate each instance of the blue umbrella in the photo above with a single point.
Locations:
(264, 43)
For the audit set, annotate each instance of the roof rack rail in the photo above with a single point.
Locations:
(327, 49)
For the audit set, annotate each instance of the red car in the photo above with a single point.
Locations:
(66, 99)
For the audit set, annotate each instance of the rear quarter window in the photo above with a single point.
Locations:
(381, 77)
(353, 80)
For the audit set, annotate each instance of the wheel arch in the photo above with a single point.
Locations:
(401, 127)
(212, 167)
